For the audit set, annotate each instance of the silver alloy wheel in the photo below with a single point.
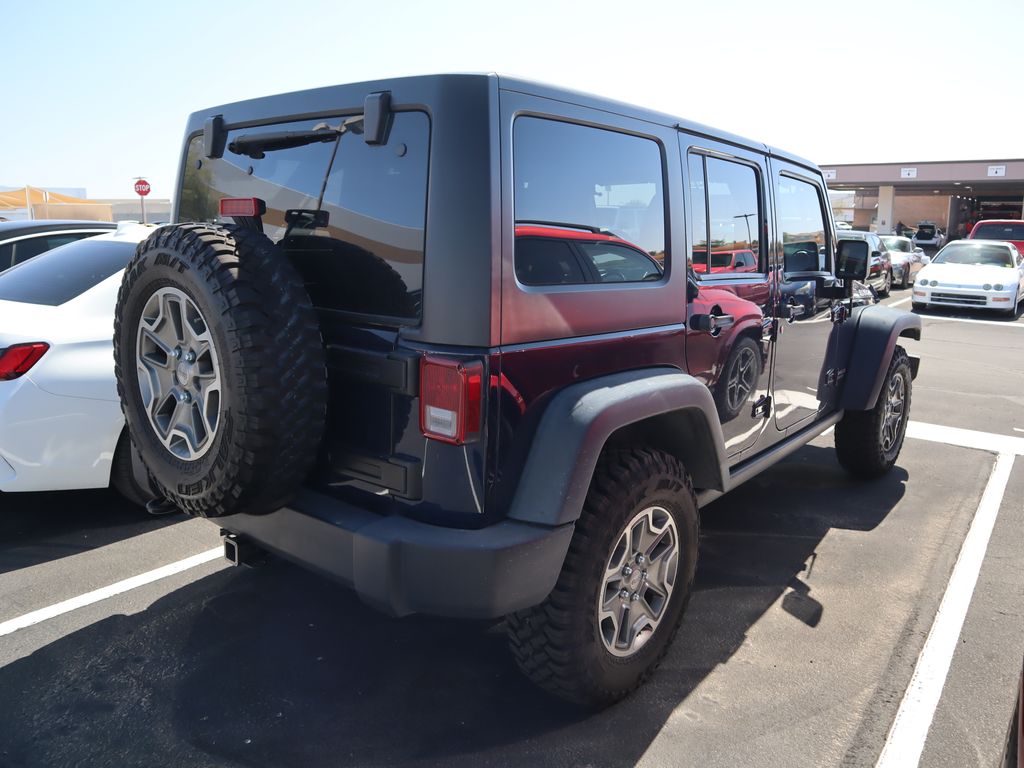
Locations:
(742, 379)
(179, 374)
(638, 581)
(892, 416)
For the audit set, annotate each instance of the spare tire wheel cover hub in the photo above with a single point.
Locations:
(179, 373)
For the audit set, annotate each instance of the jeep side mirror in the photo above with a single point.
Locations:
(852, 260)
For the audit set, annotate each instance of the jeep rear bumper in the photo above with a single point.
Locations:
(402, 566)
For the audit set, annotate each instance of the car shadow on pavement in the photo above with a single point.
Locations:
(40, 527)
(277, 667)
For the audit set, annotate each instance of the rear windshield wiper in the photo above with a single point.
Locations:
(256, 145)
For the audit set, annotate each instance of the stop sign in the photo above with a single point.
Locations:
(142, 187)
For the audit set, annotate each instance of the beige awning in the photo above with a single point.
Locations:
(21, 198)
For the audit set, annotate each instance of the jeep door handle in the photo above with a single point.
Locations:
(712, 324)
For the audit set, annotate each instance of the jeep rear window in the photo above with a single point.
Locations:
(369, 257)
(595, 179)
(60, 275)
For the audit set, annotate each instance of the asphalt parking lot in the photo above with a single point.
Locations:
(814, 623)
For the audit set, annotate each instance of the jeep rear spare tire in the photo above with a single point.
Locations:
(220, 368)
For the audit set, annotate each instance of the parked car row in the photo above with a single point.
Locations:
(983, 271)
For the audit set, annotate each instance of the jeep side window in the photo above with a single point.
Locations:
(802, 227)
(732, 214)
(591, 179)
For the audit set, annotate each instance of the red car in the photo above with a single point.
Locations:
(1010, 230)
(741, 260)
(558, 253)
(731, 361)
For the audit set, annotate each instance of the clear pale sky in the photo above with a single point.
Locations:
(96, 93)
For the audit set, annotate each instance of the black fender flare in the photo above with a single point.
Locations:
(675, 408)
(871, 334)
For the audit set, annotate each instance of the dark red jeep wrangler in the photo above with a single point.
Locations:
(460, 342)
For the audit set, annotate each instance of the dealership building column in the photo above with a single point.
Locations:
(884, 220)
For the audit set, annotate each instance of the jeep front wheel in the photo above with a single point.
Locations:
(220, 368)
(868, 442)
(625, 583)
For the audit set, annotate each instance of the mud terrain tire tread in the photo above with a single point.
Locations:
(556, 644)
(858, 436)
(273, 406)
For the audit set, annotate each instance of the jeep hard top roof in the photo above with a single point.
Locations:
(321, 102)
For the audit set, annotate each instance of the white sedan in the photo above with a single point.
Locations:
(61, 426)
(986, 274)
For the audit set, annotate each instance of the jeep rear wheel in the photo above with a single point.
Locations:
(625, 583)
(220, 368)
(868, 442)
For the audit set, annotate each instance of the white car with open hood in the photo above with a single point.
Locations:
(986, 274)
(61, 426)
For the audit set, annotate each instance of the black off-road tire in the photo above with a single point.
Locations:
(858, 436)
(122, 474)
(271, 359)
(557, 643)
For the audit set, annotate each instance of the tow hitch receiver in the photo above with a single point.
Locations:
(240, 551)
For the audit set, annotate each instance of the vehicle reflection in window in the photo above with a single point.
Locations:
(804, 250)
(553, 254)
(731, 359)
(726, 216)
(590, 179)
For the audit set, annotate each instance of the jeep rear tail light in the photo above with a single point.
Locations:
(450, 394)
(242, 206)
(17, 360)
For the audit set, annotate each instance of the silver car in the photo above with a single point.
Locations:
(929, 235)
(907, 259)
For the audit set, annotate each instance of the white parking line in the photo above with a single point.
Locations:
(28, 619)
(901, 301)
(906, 739)
(966, 438)
(1003, 324)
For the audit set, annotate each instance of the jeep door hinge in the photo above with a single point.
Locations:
(762, 407)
